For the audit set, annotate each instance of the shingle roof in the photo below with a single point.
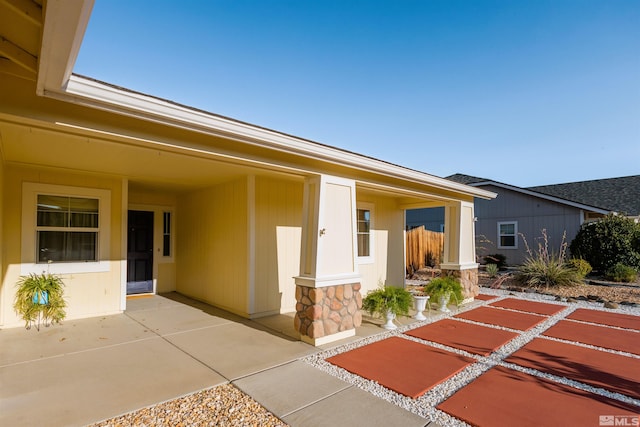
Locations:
(620, 195)
(615, 194)
(466, 179)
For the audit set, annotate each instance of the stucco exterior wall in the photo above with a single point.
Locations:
(388, 245)
(87, 294)
(212, 246)
(278, 228)
(2, 264)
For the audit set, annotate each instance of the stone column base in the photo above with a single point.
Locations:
(329, 313)
(469, 281)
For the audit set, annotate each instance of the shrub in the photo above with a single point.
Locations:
(443, 286)
(613, 239)
(622, 273)
(388, 298)
(497, 259)
(581, 266)
(492, 270)
(547, 268)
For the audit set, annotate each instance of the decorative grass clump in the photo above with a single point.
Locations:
(40, 297)
(492, 270)
(546, 268)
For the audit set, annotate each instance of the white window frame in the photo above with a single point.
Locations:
(29, 264)
(515, 235)
(371, 257)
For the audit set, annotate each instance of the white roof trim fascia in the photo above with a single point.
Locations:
(541, 196)
(65, 22)
(95, 94)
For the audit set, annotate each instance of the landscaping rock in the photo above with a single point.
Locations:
(610, 304)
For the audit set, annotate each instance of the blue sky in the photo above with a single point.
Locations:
(524, 92)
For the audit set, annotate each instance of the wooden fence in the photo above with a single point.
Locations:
(425, 248)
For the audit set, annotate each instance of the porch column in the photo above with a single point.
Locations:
(459, 246)
(328, 287)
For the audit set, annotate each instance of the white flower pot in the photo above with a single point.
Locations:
(419, 305)
(390, 325)
(444, 300)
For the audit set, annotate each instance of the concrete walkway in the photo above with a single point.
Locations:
(165, 347)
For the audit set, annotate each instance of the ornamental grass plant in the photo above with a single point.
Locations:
(547, 268)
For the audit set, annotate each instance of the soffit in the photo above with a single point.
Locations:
(20, 37)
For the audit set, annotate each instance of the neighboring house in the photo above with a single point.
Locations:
(124, 193)
(518, 212)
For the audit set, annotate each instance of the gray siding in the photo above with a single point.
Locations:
(431, 218)
(532, 214)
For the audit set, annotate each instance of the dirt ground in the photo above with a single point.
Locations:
(594, 289)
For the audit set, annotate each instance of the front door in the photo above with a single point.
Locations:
(140, 253)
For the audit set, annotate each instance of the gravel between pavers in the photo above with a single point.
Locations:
(223, 405)
(425, 405)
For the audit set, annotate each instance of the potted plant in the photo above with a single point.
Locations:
(420, 300)
(388, 302)
(40, 297)
(445, 290)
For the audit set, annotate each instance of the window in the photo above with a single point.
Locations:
(66, 229)
(507, 235)
(166, 234)
(364, 232)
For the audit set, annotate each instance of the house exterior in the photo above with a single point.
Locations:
(558, 209)
(124, 193)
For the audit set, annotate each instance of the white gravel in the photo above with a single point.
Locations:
(425, 405)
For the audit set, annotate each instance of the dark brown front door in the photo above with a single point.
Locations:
(140, 252)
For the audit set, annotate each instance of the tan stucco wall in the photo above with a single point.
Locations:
(87, 294)
(278, 225)
(388, 244)
(211, 249)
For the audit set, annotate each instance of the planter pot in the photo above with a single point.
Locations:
(444, 300)
(419, 305)
(390, 325)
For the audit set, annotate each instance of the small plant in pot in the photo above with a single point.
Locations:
(445, 290)
(40, 297)
(388, 302)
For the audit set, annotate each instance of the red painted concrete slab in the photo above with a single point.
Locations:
(508, 319)
(504, 397)
(484, 297)
(613, 372)
(529, 306)
(600, 336)
(620, 320)
(473, 338)
(404, 366)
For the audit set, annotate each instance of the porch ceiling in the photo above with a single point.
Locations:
(144, 167)
(20, 36)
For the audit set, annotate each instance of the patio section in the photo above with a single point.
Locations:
(597, 335)
(505, 397)
(505, 318)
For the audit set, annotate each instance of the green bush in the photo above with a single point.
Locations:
(497, 259)
(443, 286)
(388, 298)
(492, 270)
(613, 239)
(622, 273)
(581, 266)
(547, 268)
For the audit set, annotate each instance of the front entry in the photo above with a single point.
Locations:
(140, 252)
